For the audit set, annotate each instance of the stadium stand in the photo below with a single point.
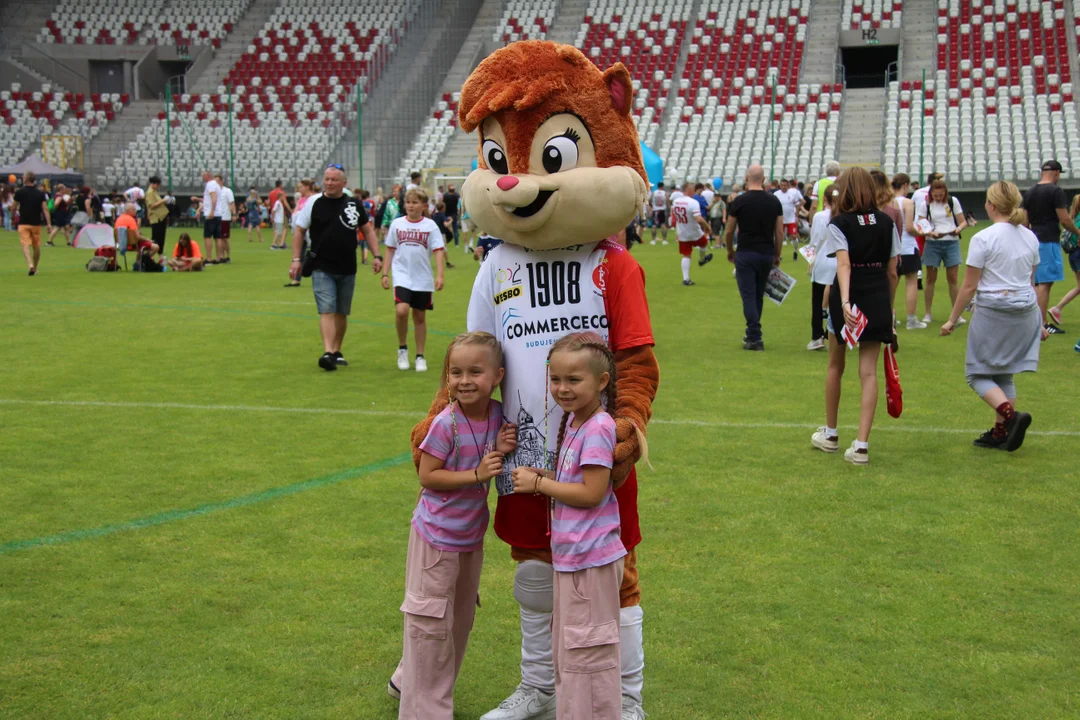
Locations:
(118, 22)
(867, 14)
(293, 93)
(525, 20)
(26, 116)
(646, 36)
(196, 22)
(1000, 101)
(725, 102)
(433, 138)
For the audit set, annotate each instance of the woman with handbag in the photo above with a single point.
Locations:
(1070, 246)
(1006, 327)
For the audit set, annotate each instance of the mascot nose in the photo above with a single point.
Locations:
(507, 182)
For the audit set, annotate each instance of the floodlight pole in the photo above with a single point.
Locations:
(772, 130)
(168, 133)
(232, 167)
(360, 132)
(922, 131)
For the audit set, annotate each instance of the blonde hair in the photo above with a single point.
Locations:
(417, 195)
(601, 360)
(883, 192)
(1074, 209)
(1006, 199)
(482, 339)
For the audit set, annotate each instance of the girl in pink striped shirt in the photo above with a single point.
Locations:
(462, 451)
(586, 550)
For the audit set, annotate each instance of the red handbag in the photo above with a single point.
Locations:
(894, 394)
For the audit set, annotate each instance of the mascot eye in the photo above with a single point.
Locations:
(495, 157)
(560, 153)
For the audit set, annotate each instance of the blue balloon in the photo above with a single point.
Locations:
(717, 183)
(654, 166)
(474, 163)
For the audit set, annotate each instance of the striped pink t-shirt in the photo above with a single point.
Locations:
(456, 520)
(586, 537)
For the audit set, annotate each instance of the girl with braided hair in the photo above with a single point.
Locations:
(463, 450)
(586, 550)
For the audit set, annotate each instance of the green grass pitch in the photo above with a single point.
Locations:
(197, 522)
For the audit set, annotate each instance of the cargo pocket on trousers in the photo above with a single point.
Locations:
(425, 616)
(590, 648)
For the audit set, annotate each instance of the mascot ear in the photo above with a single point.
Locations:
(620, 87)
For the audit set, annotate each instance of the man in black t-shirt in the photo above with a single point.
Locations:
(759, 218)
(452, 201)
(33, 207)
(1047, 211)
(332, 219)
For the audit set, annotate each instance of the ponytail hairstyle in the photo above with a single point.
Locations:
(1006, 199)
(601, 360)
(482, 339)
(1074, 209)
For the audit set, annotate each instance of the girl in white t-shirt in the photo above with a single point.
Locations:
(410, 243)
(943, 219)
(1006, 327)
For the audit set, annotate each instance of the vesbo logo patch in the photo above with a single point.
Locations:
(508, 294)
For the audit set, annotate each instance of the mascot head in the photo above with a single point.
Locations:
(559, 159)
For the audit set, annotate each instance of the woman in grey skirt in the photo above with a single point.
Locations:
(1006, 328)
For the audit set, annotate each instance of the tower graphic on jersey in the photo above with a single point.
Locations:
(531, 450)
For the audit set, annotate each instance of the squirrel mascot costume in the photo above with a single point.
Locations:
(559, 176)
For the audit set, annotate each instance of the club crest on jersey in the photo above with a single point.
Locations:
(510, 275)
(867, 219)
(599, 277)
(351, 216)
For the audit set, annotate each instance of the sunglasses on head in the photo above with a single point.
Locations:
(335, 166)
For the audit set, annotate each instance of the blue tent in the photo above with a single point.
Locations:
(654, 166)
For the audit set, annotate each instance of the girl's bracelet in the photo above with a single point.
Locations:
(536, 484)
(476, 474)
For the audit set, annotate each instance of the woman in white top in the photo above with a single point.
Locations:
(1007, 324)
(910, 260)
(822, 272)
(943, 219)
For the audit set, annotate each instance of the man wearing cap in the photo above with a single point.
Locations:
(1047, 210)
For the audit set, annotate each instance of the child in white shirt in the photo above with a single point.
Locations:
(410, 244)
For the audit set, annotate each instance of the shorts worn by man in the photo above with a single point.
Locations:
(332, 219)
(211, 220)
(1047, 211)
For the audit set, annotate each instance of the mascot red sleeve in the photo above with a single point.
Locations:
(558, 176)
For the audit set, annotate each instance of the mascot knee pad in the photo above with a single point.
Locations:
(534, 586)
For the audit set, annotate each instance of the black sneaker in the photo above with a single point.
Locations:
(226, 261)
(688, 282)
(1016, 427)
(33, 272)
(450, 265)
(988, 441)
(341, 361)
(795, 255)
(327, 362)
(707, 259)
(758, 346)
(1054, 329)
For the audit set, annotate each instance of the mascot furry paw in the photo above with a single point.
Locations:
(559, 175)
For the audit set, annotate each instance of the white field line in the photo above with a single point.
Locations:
(884, 425)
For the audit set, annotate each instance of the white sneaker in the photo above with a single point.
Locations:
(665, 242)
(927, 319)
(393, 691)
(857, 457)
(653, 242)
(525, 703)
(631, 709)
(915, 324)
(818, 344)
(961, 321)
(421, 365)
(402, 359)
(823, 442)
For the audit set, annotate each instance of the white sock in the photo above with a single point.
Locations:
(631, 652)
(911, 317)
(830, 432)
(686, 268)
(860, 445)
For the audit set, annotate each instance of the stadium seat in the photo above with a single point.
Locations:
(525, 20)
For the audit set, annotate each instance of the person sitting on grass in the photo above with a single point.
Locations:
(187, 255)
(410, 243)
